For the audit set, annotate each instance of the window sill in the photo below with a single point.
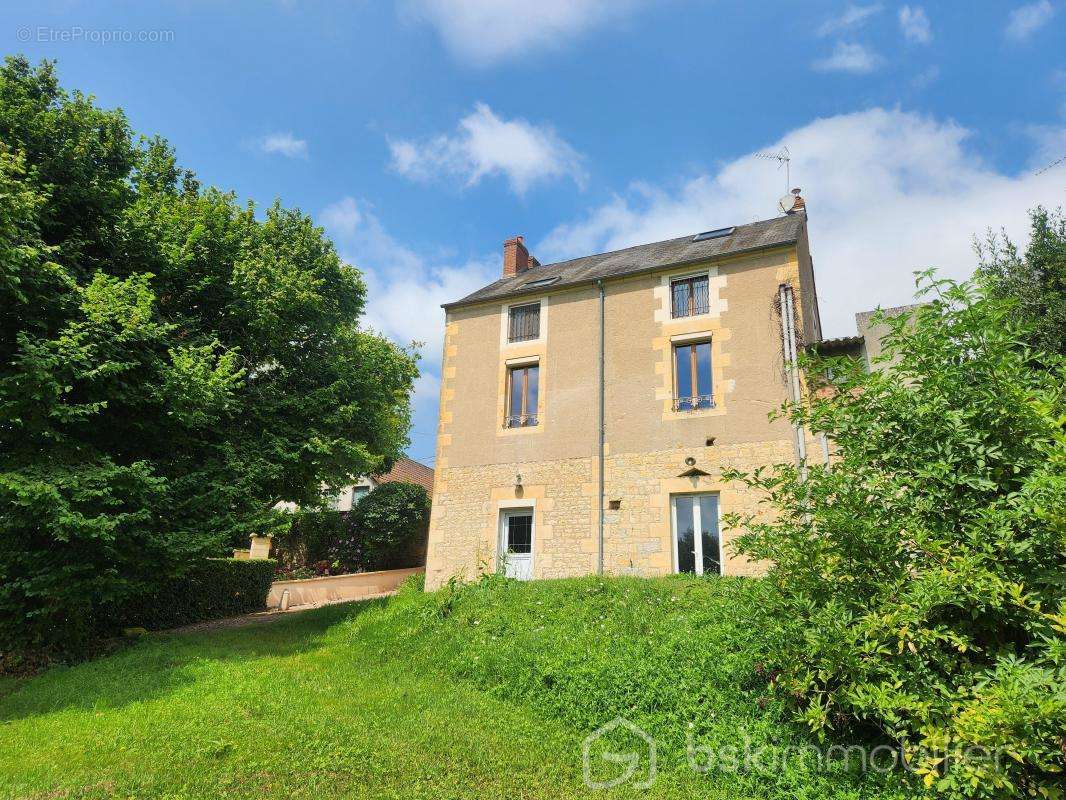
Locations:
(701, 315)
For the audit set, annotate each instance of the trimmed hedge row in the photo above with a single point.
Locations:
(212, 588)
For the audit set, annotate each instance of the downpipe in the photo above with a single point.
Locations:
(788, 343)
(602, 433)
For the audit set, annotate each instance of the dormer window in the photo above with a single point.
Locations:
(523, 322)
(689, 296)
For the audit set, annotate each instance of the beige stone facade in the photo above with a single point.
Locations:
(649, 445)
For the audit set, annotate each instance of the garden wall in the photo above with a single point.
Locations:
(335, 588)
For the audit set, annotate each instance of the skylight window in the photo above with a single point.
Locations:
(718, 233)
(540, 282)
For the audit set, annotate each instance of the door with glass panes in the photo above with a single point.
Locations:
(516, 543)
(697, 545)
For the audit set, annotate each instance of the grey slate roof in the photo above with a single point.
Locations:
(643, 258)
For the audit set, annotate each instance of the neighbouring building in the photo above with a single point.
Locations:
(405, 469)
(866, 344)
(589, 407)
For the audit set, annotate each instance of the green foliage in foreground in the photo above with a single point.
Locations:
(481, 691)
(918, 580)
(172, 364)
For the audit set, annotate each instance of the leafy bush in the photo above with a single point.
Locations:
(917, 580)
(212, 588)
(388, 524)
(385, 530)
(310, 539)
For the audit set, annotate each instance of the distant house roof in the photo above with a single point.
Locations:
(842, 344)
(643, 258)
(408, 471)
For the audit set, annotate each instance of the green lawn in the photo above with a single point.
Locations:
(484, 692)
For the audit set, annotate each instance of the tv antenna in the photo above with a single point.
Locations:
(782, 159)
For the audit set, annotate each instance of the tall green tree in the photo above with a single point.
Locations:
(1033, 281)
(172, 364)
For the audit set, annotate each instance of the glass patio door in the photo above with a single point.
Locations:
(697, 546)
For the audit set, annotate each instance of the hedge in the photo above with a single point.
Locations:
(213, 588)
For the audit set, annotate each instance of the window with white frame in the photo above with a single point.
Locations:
(697, 544)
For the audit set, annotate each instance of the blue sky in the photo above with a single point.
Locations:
(422, 133)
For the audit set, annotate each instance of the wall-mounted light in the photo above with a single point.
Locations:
(518, 480)
(690, 461)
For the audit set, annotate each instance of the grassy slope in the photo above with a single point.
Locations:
(485, 692)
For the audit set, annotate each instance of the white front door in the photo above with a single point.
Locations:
(697, 546)
(516, 543)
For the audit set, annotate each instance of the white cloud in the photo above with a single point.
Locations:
(888, 192)
(915, 25)
(487, 31)
(404, 288)
(485, 145)
(404, 292)
(849, 58)
(853, 16)
(341, 219)
(1049, 146)
(1026, 20)
(284, 144)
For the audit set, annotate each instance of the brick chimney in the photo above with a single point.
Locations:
(799, 204)
(516, 258)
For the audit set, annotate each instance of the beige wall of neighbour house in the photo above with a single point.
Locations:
(647, 442)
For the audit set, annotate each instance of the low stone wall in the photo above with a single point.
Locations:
(335, 588)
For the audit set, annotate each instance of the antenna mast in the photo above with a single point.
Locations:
(782, 159)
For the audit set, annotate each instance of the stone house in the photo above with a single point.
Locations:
(588, 407)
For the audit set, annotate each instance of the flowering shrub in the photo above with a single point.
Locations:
(386, 527)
